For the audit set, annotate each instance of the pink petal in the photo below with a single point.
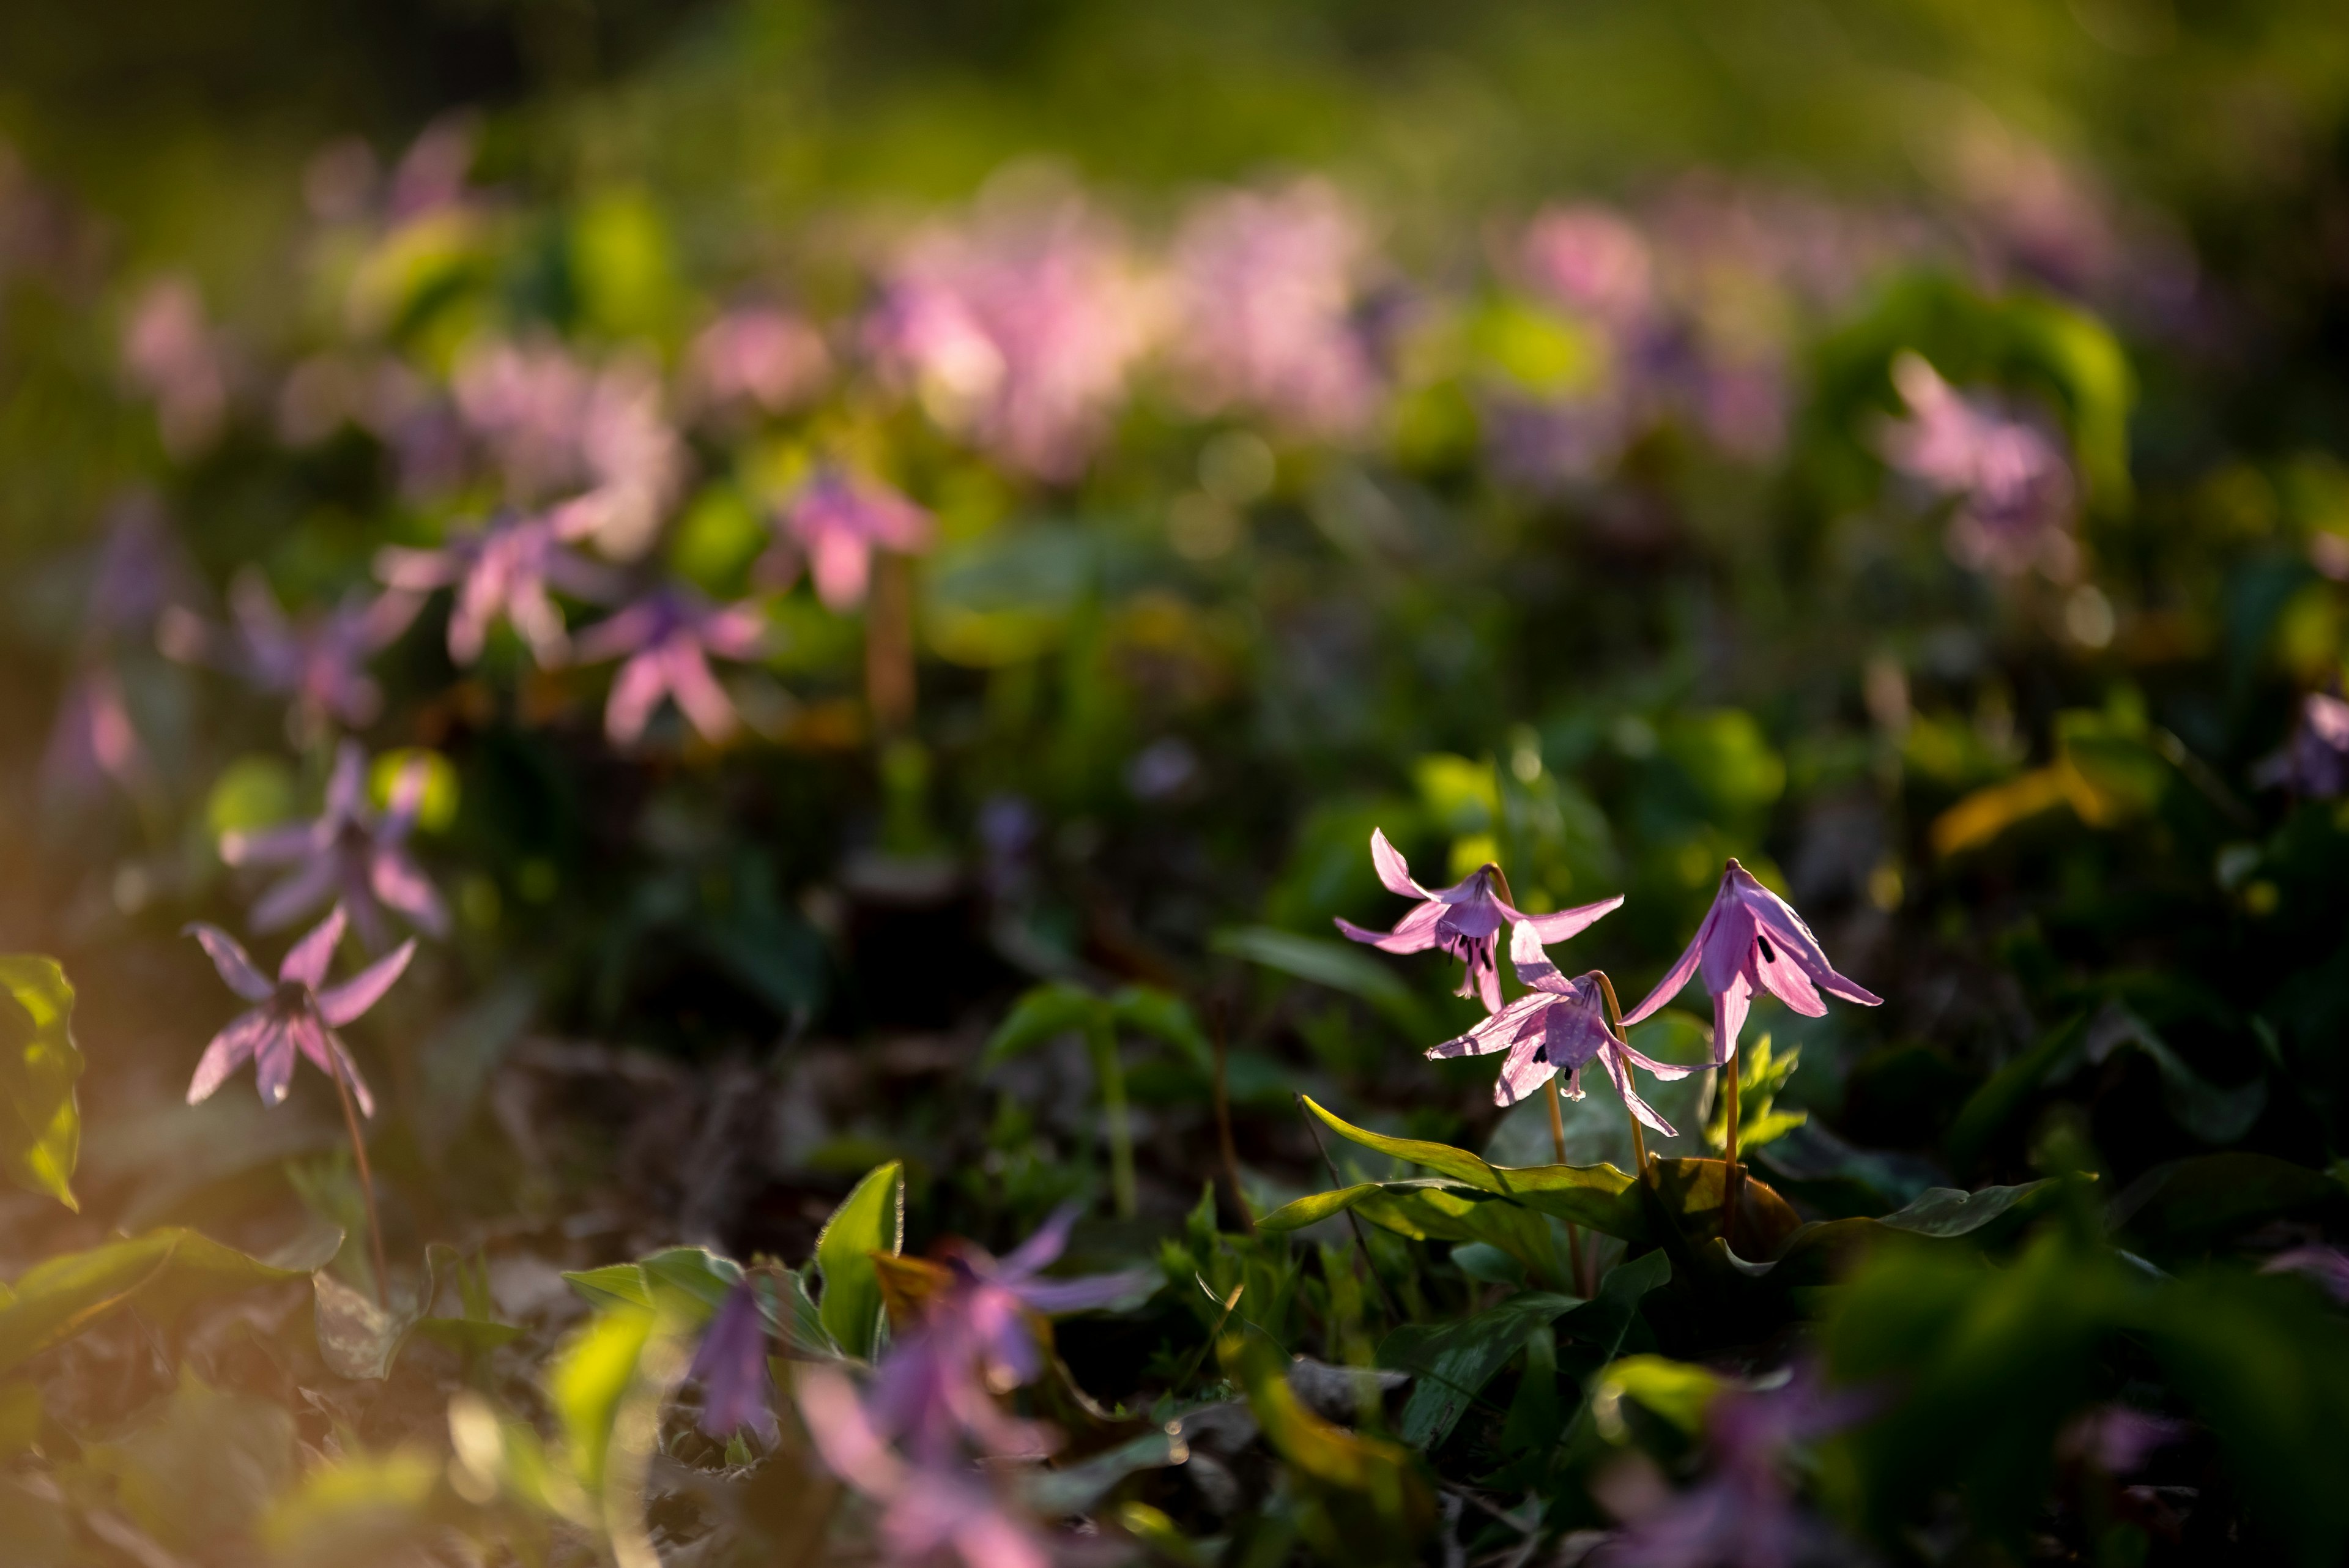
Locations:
(1674, 978)
(1782, 977)
(274, 845)
(1534, 966)
(993, 1540)
(1393, 870)
(306, 963)
(1415, 933)
(698, 691)
(273, 1061)
(1523, 1070)
(416, 570)
(230, 1049)
(1565, 923)
(1048, 1242)
(636, 690)
(235, 969)
(841, 565)
(1520, 1019)
(845, 1435)
(614, 635)
(1729, 1009)
(339, 1004)
(295, 896)
(407, 798)
(1621, 1076)
(346, 790)
(400, 884)
(350, 1070)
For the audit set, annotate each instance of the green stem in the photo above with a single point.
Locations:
(1111, 1074)
(1615, 1025)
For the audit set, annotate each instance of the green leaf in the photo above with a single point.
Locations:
(1600, 1196)
(870, 1219)
(1338, 965)
(1368, 1499)
(362, 1508)
(357, 1338)
(40, 1122)
(689, 1283)
(1676, 1390)
(614, 1285)
(1149, 1010)
(57, 1299)
(1948, 1211)
(590, 1375)
(197, 1479)
(1451, 1363)
(1042, 1013)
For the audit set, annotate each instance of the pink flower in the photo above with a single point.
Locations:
(2016, 495)
(172, 355)
(774, 359)
(666, 638)
(93, 737)
(348, 854)
(1591, 261)
(1265, 285)
(839, 518)
(527, 402)
(1560, 1026)
(1017, 330)
(2328, 1266)
(2315, 761)
(506, 569)
(1752, 940)
(293, 1014)
(731, 1368)
(319, 663)
(1463, 919)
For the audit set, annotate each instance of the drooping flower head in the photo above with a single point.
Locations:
(2315, 761)
(668, 638)
(1463, 919)
(299, 1013)
(507, 569)
(2016, 493)
(1267, 284)
(320, 663)
(348, 854)
(838, 519)
(1560, 1026)
(731, 1368)
(1752, 940)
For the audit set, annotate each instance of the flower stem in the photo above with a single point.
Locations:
(1558, 1144)
(367, 1178)
(1729, 1145)
(1111, 1074)
(889, 645)
(1615, 1024)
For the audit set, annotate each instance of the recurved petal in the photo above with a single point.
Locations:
(1729, 1009)
(306, 962)
(1039, 1248)
(1782, 976)
(401, 885)
(1082, 1294)
(636, 690)
(230, 1049)
(844, 1434)
(1518, 1019)
(1415, 933)
(1674, 978)
(297, 894)
(697, 692)
(1621, 1076)
(1534, 966)
(235, 967)
(339, 1004)
(1393, 870)
(1565, 923)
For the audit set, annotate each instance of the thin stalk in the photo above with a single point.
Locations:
(889, 645)
(1736, 1173)
(1558, 1144)
(366, 1176)
(1111, 1073)
(1615, 1026)
(1362, 1237)
(1224, 1126)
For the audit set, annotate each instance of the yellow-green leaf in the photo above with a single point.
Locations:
(40, 1122)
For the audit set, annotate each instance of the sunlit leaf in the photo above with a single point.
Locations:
(41, 1120)
(871, 1218)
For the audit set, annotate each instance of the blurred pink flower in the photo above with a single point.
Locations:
(528, 403)
(1560, 1026)
(506, 569)
(1265, 289)
(668, 638)
(1592, 261)
(555, 427)
(731, 1368)
(1752, 940)
(2328, 1266)
(93, 737)
(1017, 329)
(2016, 495)
(2315, 762)
(348, 854)
(1463, 919)
(172, 355)
(299, 1013)
(772, 359)
(430, 175)
(838, 518)
(319, 663)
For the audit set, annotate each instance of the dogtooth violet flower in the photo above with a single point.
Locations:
(348, 854)
(2315, 761)
(1752, 940)
(299, 1013)
(1463, 919)
(320, 662)
(928, 1506)
(506, 569)
(666, 638)
(2016, 492)
(731, 1368)
(838, 519)
(1558, 1026)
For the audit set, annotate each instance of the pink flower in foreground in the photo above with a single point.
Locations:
(293, 1014)
(1752, 940)
(1560, 1026)
(348, 854)
(731, 1368)
(507, 569)
(1018, 331)
(1265, 289)
(927, 1509)
(319, 663)
(668, 638)
(2016, 493)
(1463, 919)
(2315, 761)
(839, 519)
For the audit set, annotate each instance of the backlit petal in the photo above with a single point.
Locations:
(235, 968)
(306, 963)
(339, 1004)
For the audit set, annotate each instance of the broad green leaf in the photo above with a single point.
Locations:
(1078, 1489)
(1989, 1108)
(1947, 1211)
(870, 1219)
(57, 1299)
(1451, 1363)
(357, 1338)
(792, 1313)
(590, 1375)
(1675, 1390)
(20, 1417)
(689, 1283)
(1042, 1014)
(613, 1285)
(1149, 1010)
(1337, 965)
(1600, 1196)
(40, 1122)
(197, 1479)
(1603, 1323)
(201, 1268)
